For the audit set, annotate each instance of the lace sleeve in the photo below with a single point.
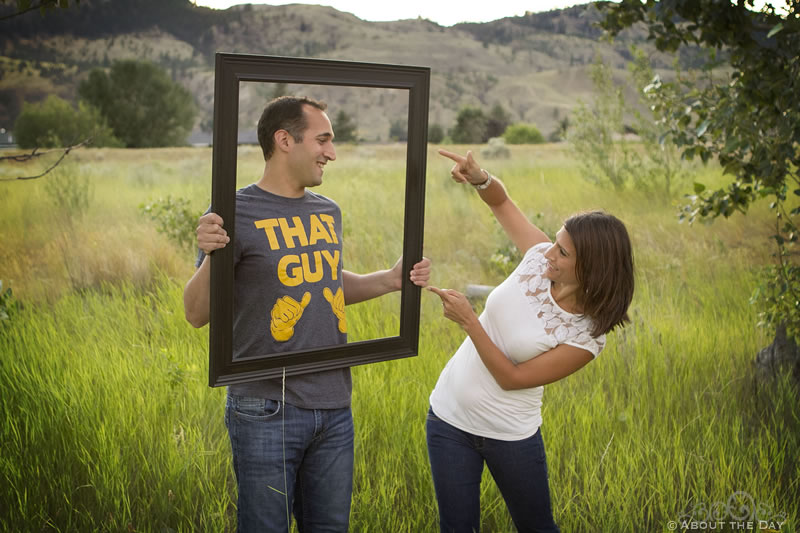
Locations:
(562, 327)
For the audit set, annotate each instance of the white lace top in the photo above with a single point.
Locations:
(562, 326)
(524, 321)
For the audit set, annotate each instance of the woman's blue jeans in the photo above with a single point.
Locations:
(290, 459)
(518, 467)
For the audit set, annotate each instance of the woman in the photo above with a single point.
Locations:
(544, 322)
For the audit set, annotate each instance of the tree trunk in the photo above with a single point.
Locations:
(782, 355)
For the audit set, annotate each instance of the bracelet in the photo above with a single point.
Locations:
(485, 184)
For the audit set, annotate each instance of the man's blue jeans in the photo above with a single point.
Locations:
(287, 458)
(518, 467)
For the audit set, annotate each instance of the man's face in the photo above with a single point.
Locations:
(307, 158)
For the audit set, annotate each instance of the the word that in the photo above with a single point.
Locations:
(321, 228)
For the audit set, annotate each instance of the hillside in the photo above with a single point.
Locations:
(535, 66)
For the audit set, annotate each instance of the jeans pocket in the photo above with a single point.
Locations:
(537, 448)
(255, 409)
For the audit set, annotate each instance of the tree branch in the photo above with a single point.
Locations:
(21, 158)
(43, 3)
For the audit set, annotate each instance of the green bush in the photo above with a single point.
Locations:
(435, 134)
(597, 133)
(523, 134)
(174, 218)
(55, 122)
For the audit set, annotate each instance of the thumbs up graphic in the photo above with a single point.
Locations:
(285, 314)
(337, 304)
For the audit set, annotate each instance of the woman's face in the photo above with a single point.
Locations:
(561, 259)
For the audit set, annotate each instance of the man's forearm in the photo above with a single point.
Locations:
(196, 295)
(361, 287)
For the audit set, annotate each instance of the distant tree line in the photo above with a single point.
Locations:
(474, 126)
(135, 104)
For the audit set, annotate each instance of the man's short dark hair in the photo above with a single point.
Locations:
(284, 113)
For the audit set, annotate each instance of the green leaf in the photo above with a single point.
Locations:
(731, 144)
(775, 29)
(699, 187)
(703, 127)
(732, 167)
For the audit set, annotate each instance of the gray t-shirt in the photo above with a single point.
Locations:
(288, 292)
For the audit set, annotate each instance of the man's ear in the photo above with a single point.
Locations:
(283, 140)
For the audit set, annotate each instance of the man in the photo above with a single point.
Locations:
(292, 441)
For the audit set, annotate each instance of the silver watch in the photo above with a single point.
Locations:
(485, 184)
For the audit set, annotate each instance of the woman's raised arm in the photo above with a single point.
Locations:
(522, 232)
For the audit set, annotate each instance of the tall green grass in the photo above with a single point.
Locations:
(107, 423)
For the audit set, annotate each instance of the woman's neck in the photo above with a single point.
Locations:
(567, 297)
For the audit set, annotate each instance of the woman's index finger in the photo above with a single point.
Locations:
(438, 292)
(450, 155)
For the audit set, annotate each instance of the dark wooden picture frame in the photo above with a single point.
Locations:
(230, 70)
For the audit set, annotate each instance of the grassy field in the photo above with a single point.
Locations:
(108, 424)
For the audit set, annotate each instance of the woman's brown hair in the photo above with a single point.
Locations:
(604, 267)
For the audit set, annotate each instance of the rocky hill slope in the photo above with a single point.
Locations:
(535, 66)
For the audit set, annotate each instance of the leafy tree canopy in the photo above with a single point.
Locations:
(470, 127)
(23, 6)
(345, 128)
(749, 121)
(398, 130)
(497, 121)
(435, 133)
(143, 106)
(55, 122)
